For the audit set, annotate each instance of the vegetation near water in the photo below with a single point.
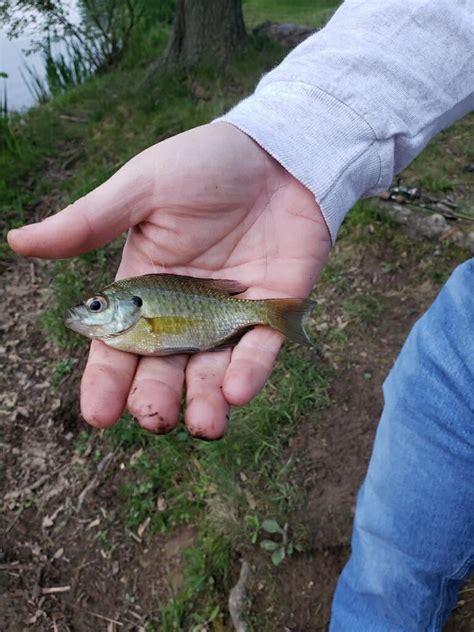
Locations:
(228, 489)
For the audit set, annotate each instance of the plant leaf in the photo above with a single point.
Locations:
(271, 526)
(278, 555)
(269, 545)
(214, 613)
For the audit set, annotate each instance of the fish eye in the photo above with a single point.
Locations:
(96, 304)
(137, 301)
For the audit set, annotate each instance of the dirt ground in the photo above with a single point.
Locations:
(67, 562)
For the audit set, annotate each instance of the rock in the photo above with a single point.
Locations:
(418, 226)
(399, 214)
(428, 226)
(288, 35)
(424, 226)
(465, 240)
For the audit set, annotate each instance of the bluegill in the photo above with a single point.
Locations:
(162, 314)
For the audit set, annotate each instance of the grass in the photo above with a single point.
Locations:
(62, 368)
(441, 168)
(315, 13)
(365, 309)
(229, 488)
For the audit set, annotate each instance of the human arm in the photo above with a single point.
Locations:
(359, 100)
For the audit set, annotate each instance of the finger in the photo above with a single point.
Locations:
(105, 384)
(91, 221)
(155, 395)
(207, 410)
(251, 364)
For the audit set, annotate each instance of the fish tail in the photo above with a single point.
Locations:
(288, 316)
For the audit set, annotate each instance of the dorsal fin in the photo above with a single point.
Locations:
(222, 286)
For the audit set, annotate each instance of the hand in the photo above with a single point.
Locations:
(208, 203)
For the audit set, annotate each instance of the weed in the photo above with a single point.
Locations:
(252, 524)
(390, 267)
(82, 442)
(282, 548)
(97, 455)
(63, 71)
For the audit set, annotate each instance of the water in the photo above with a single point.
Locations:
(13, 59)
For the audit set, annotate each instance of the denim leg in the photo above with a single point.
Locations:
(413, 536)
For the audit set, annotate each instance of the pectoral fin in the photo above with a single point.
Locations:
(232, 340)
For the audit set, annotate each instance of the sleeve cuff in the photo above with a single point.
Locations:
(321, 141)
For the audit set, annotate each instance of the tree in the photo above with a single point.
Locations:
(205, 31)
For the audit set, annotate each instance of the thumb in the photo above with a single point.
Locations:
(92, 221)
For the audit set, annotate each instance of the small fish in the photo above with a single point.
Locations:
(162, 314)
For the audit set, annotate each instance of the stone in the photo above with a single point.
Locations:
(288, 35)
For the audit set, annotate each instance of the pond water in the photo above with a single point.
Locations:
(13, 60)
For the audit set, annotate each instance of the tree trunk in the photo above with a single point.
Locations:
(206, 31)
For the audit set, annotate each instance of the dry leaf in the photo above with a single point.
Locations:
(161, 503)
(142, 528)
(93, 524)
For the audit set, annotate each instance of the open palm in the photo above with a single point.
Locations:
(208, 203)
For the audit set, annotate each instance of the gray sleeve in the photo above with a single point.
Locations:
(356, 102)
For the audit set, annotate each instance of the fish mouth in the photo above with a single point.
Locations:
(72, 319)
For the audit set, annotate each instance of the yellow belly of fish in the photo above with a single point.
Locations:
(162, 336)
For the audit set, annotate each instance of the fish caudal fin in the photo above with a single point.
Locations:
(288, 316)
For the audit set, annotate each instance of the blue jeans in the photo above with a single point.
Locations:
(413, 536)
